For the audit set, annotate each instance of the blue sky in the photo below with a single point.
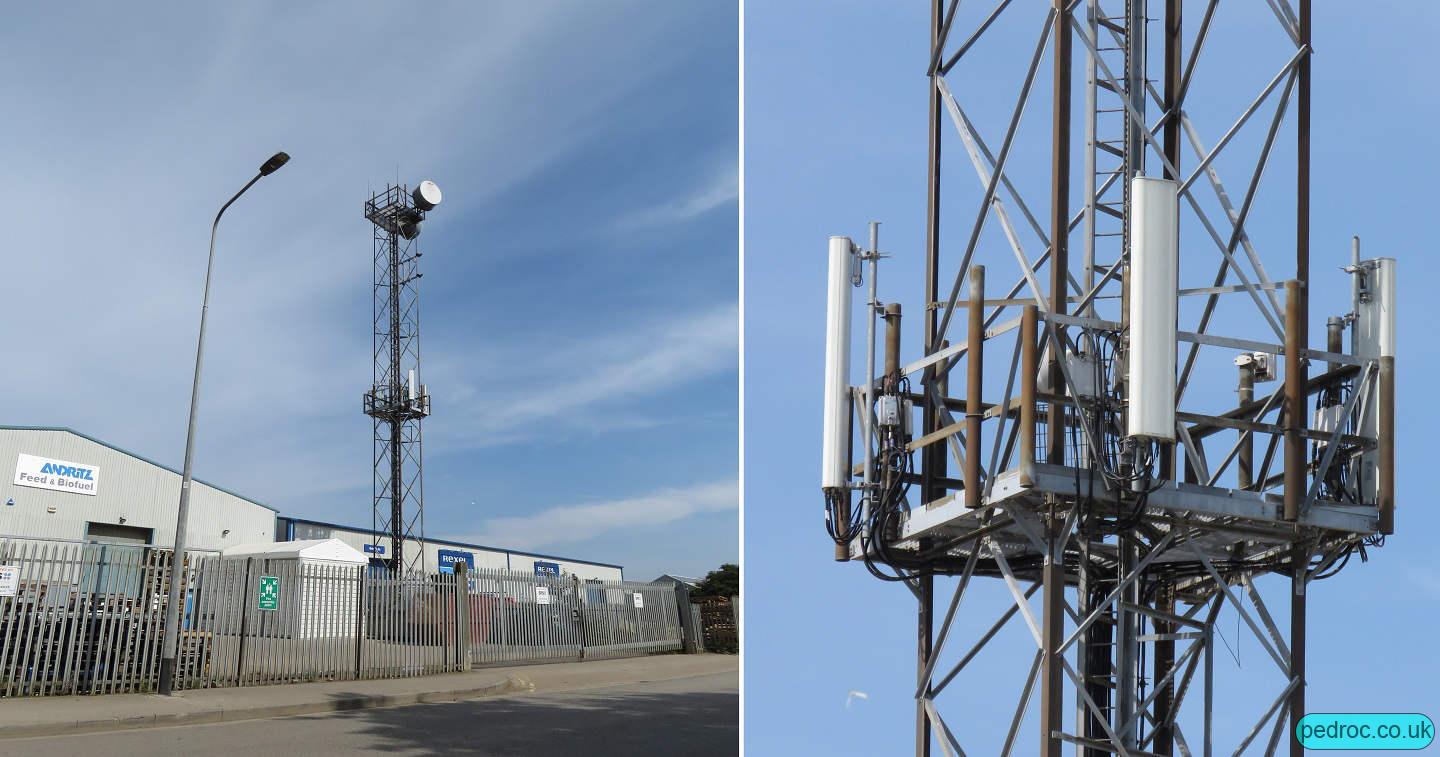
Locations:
(579, 305)
(835, 137)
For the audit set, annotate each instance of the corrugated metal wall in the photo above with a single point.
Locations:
(525, 563)
(486, 558)
(141, 493)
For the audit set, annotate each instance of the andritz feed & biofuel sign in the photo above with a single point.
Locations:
(59, 475)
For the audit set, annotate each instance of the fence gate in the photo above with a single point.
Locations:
(517, 617)
(622, 618)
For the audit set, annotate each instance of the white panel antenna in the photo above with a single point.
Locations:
(1154, 237)
(836, 452)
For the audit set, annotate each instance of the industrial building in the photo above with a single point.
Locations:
(689, 582)
(440, 555)
(75, 487)
(69, 486)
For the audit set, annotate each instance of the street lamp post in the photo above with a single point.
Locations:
(176, 591)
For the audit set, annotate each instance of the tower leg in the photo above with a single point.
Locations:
(1099, 669)
(1301, 558)
(1127, 649)
(1052, 633)
(1302, 276)
(397, 498)
(925, 624)
(932, 459)
(1053, 572)
(1164, 742)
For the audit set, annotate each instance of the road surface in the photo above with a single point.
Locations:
(696, 717)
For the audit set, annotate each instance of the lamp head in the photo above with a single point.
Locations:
(273, 164)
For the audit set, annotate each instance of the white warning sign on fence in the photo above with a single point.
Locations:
(9, 580)
(639, 600)
(542, 595)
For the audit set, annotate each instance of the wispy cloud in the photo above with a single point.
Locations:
(574, 383)
(566, 524)
(720, 187)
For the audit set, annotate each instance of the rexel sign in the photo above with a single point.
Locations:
(57, 475)
(448, 558)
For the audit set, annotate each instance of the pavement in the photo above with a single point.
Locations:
(28, 717)
(695, 716)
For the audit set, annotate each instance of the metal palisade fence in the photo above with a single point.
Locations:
(88, 619)
(79, 620)
(517, 617)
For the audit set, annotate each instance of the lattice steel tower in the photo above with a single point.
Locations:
(397, 401)
(1102, 464)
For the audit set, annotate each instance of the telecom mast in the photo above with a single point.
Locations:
(1093, 469)
(397, 401)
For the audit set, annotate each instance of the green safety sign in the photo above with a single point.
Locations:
(269, 598)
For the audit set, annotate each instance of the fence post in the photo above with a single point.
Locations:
(244, 623)
(462, 615)
(364, 571)
(697, 621)
(689, 629)
(580, 614)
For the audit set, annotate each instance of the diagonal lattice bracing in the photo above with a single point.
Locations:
(1131, 545)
